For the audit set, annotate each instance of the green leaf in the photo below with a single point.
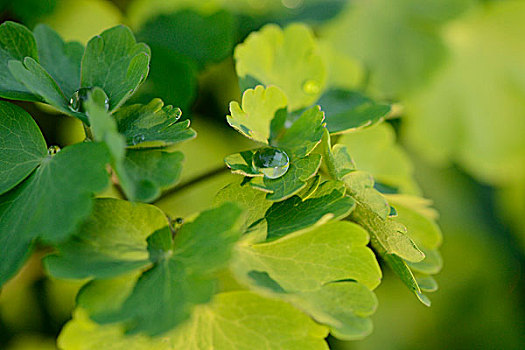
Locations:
(328, 202)
(242, 163)
(234, 320)
(361, 186)
(288, 59)
(349, 110)
(60, 59)
(22, 146)
(303, 135)
(375, 150)
(308, 259)
(51, 202)
(152, 125)
(312, 268)
(204, 39)
(295, 179)
(110, 242)
(258, 109)
(114, 62)
(16, 43)
(182, 274)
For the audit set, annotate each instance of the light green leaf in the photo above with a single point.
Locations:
(16, 43)
(349, 110)
(308, 259)
(22, 146)
(60, 59)
(288, 59)
(236, 320)
(328, 202)
(375, 150)
(182, 274)
(51, 202)
(295, 179)
(114, 62)
(152, 125)
(258, 109)
(242, 163)
(110, 242)
(303, 135)
(361, 186)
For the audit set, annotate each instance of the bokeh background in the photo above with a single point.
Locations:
(455, 70)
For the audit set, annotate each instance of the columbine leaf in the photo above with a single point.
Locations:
(304, 268)
(182, 275)
(61, 60)
(16, 43)
(375, 150)
(22, 146)
(285, 58)
(348, 110)
(258, 109)
(295, 179)
(327, 203)
(114, 62)
(110, 242)
(152, 125)
(303, 135)
(247, 321)
(51, 202)
(242, 163)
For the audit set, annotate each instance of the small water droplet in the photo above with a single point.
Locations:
(271, 162)
(179, 221)
(311, 87)
(52, 150)
(79, 97)
(139, 138)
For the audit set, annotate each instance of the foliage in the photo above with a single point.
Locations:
(287, 254)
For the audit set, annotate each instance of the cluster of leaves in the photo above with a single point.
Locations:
(280, 261)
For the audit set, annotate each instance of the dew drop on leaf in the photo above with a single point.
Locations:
(272, 162)
(79, 97)
(52, 150)
(139, 138)
(311, 87)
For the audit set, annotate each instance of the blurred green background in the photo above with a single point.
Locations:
(455, 70)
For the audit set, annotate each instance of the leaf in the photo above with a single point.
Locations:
(238, 320)
(303, 135)
(60, 59)
(295, 179)
(22, 146)
(16, 43)
(361, 187)
(350, 110)
(153, 171)
(242, 163)
(204, 39)
(308, 259)
(182, 274)
(110, 242)
(114, 62)
(375, 150)
(152, 125)
(288, 59)
(258, 109)
(312, 269)
(51, 202)
(328, 202)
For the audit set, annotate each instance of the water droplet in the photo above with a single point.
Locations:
(139, 138)
(52, 150)
(311, 87)
(272, 162)
(179, 221)
(79, 97)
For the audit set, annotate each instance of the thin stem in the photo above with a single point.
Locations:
(192, 182)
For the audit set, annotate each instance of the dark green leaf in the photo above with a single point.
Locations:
(16, 43)
(350, 110)
(114, 62)
(22, 146)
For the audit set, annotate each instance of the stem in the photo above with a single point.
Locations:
(192, 182)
